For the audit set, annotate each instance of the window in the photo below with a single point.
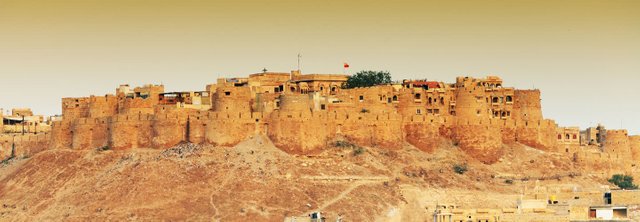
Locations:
(567, 136)
(559, 136)
(395, 98)
(322, 106)
(575, 136)
(509, 99)
(227, 93)
(417, 96)
(494, 100)
(418, 111)
(361, 98)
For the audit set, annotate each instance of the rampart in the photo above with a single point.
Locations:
(304, 117)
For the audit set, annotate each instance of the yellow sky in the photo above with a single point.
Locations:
(584, 55)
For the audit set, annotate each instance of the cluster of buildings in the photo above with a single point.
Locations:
(303, 113)
(563, 204)
(22, 121)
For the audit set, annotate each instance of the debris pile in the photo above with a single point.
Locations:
(182, 150)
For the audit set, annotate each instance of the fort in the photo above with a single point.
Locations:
(302, 114)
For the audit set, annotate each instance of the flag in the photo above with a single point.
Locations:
(346, 65)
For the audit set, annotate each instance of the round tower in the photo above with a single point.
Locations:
(471, 103)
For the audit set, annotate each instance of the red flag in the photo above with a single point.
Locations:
(346, 65)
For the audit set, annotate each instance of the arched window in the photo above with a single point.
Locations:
(567, 136)
(509, 99)
(494, 100)
(559, 136)
(417, 96)
(575, 136)
(395, 98)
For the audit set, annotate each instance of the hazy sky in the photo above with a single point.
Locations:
(584, 55)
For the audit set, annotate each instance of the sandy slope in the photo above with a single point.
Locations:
(255, 181)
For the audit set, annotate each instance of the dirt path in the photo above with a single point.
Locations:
(226, 180)
(359, 181)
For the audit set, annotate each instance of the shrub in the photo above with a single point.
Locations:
(344, 144)
(357, 151)
(460, 168)
(104, 148)
(623, 181)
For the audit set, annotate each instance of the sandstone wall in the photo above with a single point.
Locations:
(229, 129)
(62, 134)
(426, 132)
(23, 145)
(634, 142)
(299, 132)
(480, 139)
(296, 103)
(370, 129)
(526, 105)
(471, 103)
(169, 130)
(102, 106)
(232, 99)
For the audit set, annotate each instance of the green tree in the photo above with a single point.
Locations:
(623, 181)
(367, 78)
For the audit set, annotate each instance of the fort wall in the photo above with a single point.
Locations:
(526, 105)
(232, 99)
(481, 139)
(478, 115)
(634, 142)
(23, 145)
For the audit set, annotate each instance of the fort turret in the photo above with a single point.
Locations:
(471, 101)
(526, 106)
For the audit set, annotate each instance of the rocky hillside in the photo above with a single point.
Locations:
(254, 181)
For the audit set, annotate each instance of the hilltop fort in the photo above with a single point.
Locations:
(269, 128)
(302, 113)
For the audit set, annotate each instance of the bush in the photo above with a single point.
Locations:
(460, 169)
(104, 148)
(358, 151)
(344, 144)
(623, 181)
